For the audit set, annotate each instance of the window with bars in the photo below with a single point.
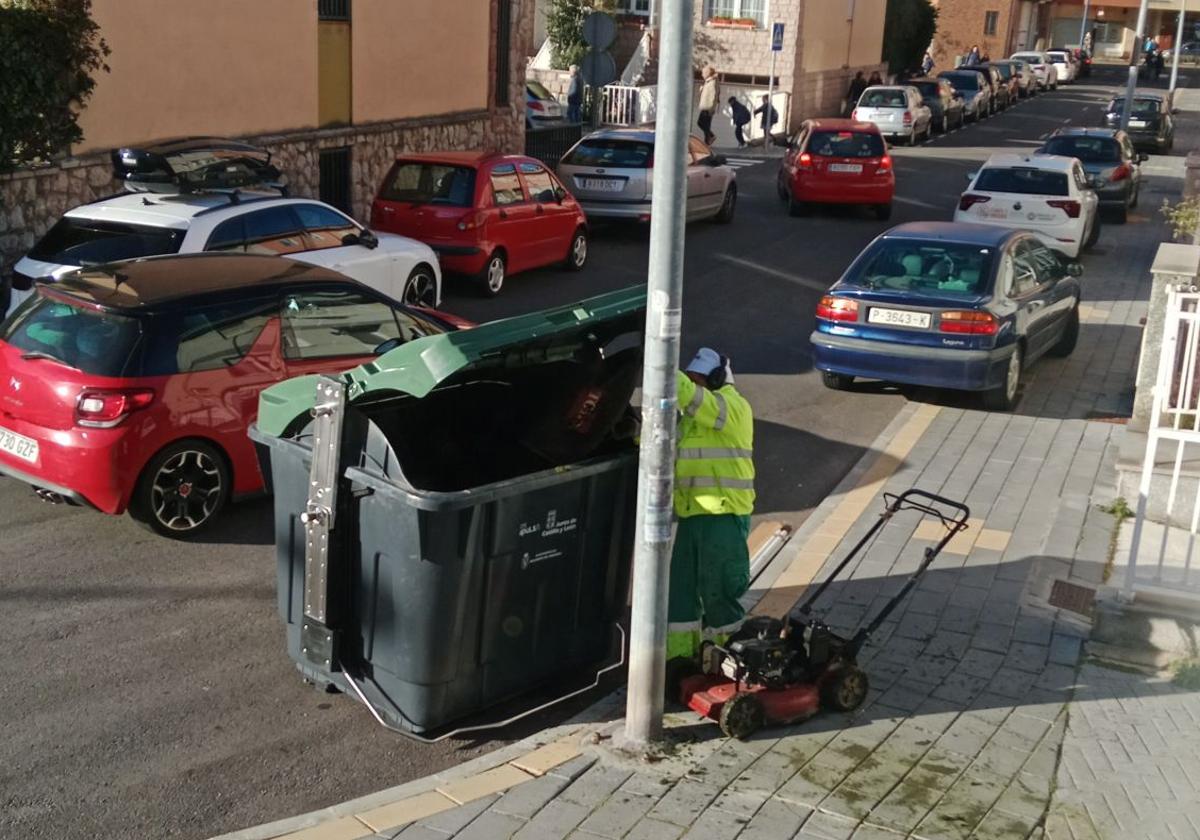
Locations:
(503, 48)
(991, 20)
(755, 10)
(333, 9)
(633, 7)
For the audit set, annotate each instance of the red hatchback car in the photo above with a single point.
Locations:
(486, 215)
(130, 386)
(837, 162)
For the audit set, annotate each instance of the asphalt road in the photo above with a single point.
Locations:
(145, 689)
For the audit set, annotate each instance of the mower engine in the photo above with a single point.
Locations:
(768, 662)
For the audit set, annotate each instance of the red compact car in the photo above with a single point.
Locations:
(130, 386)
(486, 215)
(837, 162)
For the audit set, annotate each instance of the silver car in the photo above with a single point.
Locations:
(898, 111)
(610, 172)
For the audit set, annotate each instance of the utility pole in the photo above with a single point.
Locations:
(1175, 59)
(656, 470)
(1134, 55)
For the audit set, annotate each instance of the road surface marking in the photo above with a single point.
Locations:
(775, 272)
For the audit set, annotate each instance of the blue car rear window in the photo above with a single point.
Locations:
(933, 268)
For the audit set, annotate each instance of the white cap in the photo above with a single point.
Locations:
(706, 361)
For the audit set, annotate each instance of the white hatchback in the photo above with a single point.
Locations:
(1065, 64)
(898, 111)
(1045, 71)
(1047, 194)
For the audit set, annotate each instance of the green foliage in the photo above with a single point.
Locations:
(564, 28)
(1119, 508)
(909, 27)
(1183, 216)
(1187, 674)
(49, 50)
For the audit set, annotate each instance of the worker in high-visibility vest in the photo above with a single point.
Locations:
(714, 497)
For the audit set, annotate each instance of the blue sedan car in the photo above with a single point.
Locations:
(949, 305)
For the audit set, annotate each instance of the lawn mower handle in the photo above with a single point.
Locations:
(893, 505)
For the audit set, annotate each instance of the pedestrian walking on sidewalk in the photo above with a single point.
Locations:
(574, 96)
(973, 55)
(710, 95)
(740, 115)
(927, 64)
(769, 117)
(857, 85)
(714, 497)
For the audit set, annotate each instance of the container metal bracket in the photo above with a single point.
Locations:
(319, 519)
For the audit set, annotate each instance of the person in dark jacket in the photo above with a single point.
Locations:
(875, 79)
(740, 115)
(574, 96)
(769, 117)
(857, 85)
(927, 64)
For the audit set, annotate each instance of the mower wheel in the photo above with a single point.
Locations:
(845, 689)
(678, 670)
(741, 716)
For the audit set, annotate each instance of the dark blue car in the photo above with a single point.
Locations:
(949, 305)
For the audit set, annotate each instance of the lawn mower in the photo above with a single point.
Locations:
(779, 671)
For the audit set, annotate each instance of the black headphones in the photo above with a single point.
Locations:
(716, 380)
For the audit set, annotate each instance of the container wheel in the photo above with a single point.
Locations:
(845, 689)
(742, 716)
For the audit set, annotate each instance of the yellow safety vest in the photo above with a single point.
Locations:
(714, 466)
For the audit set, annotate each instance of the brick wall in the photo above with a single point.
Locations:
(961, 23)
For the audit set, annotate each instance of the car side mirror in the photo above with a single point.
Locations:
(1075, 268)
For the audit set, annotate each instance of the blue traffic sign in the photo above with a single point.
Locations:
(777, 37)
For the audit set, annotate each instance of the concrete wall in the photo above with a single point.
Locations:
(841, 33)
(219, 67)
(420, 57)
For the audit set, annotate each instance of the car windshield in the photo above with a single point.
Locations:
(963, 81)
(1020, 179)
(1087, 149)
(1141, 107)
(924, 268)
(79, 241)
(538, 90)
(1006, 71)
(883, 98)
(615, 152)
(930, 90)
(99, 343)
(857, 144)
(430, 183)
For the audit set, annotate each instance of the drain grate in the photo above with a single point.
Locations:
(1073, 597)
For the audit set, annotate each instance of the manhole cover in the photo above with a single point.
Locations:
(1073, 597)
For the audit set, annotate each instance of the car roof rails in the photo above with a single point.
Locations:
(196, 165)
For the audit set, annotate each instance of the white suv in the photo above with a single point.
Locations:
(259, 221)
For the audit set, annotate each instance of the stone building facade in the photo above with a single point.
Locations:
(32, 198)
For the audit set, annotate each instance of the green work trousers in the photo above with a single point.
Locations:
(710, 571)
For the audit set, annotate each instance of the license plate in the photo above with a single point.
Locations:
(854, 168)
(14, 444)
(993, 213)
(1137, 123)
(898, 318)
(603, 184)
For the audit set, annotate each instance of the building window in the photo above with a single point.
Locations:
(503, 44)
(737, 10)
(633, 7)
(333, 166)
(991, 20)
(333, 9)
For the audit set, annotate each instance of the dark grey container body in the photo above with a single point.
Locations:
(449, 602)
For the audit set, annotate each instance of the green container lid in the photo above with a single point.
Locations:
(419, 366)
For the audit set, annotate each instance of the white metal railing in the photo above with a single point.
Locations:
(628, 104)
(1161, 555)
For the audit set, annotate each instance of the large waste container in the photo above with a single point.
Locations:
(465, 532)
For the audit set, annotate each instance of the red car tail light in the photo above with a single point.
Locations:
(805, 160)
(885, 165)
(1071, 208)
(908, 118)
(969, 321)
(969, 200)
(534, 105)
(837, 309)
(99, 409)
(1121, 173)
(472, 221)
